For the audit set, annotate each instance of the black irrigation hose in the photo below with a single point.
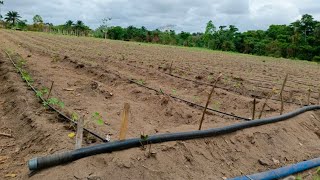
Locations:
(191, 103)
(51, 107)
(57, 159)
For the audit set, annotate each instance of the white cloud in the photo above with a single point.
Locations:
(187, 15)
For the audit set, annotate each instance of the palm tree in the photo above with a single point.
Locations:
(68, 24)
(1, 3)
(79, 25)
(12, 16)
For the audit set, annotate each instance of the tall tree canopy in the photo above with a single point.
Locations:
(12, 17)
(37, 19)
(298, 40)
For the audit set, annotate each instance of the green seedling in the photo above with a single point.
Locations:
(174, 91)
(216, 105)
(26, 76)
(196, 98)
(161, 91)
(210, 77)
(42, 92)
(226, 80)
(74, 116)
(21, 63)
(54, 102)
(144, 137)
(141, 82)
(237, 85)
(98, 118)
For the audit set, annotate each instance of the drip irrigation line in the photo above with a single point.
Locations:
(51, 107)
(191, 103)
(293, 81)
(207, 84)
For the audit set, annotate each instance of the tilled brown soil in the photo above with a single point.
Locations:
(91, 75)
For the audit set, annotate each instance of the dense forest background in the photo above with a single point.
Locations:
(298, 40)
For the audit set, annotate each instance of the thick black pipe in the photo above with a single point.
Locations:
(57, 159)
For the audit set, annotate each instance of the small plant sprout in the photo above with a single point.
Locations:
(21, 63)
(98, 118)
(237, 85)
(216, 105)
(54, 102)
(143, 137)
(40, 93)
(210, 77)
(141, 82)
(74, 116)
(174, 91)
(161, 91)
(26, 76)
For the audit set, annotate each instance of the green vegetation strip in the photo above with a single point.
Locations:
(51, 101)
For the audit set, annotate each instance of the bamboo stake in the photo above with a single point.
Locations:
(50, 90)
(170, 70)
(254, 108)
(309, 95)
(209, 97)
(281, 93)
(79, 135)
(124, 122)
(264, 104)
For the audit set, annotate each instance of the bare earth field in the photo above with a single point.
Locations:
(92, 75)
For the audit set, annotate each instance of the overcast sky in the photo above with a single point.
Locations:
(186, 15)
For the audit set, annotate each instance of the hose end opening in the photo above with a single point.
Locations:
(33, 164)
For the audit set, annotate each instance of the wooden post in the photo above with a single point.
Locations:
(254, 108)
(79, 135)
(50, 90)
(124, 122)
(281, 93)
(170, 70)
(309, 96)
(209, 97)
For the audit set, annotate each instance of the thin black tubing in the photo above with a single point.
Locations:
(51, 107)
(191, 103)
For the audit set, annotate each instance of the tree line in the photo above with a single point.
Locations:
(298, 40)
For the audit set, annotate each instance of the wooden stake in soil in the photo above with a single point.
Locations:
(209, 97)
(124, 122)
(281, 93)
(50, 90)
(264, 104)
(79, 135)
(254, 108)
(309, 95)
(170, 70)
